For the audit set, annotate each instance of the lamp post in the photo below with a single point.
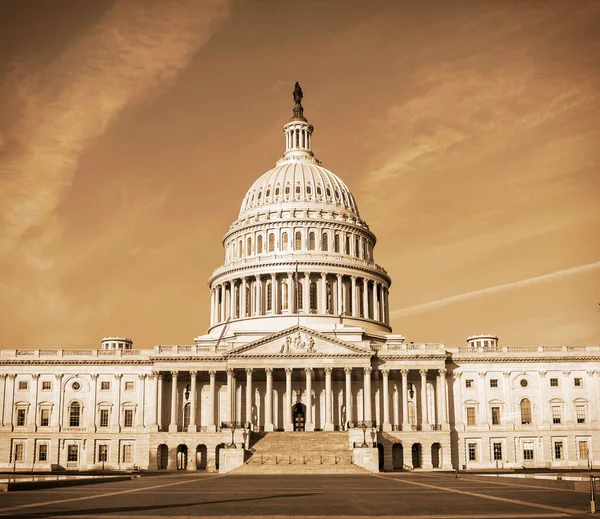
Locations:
(232, 445)
(364, 428)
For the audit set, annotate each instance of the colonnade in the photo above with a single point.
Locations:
(304, 293)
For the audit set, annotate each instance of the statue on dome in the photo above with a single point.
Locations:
(298, 94)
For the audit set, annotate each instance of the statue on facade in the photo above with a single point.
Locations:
(298, 94)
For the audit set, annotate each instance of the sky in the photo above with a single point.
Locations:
(468, 132)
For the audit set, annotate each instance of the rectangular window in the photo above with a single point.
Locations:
(471, 416)
(553, 382)
(102, 453)
(556, 414)
(127, 453)
(472, 451)
(21, 416)
(528, 451)
(578, 382)
(105, 385)
(497, 451)
(583, 450)
(558, 450)
(73, 453)
(103, 417)
(469, 383)
(43, 452)
(19, 451)
(129, 386)
(493, 382)
(128, 418)
(45, 417)
(46, 385)
(580, 413)
(23, 385)
(495, 416)
(74, 414)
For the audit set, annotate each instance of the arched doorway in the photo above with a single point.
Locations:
(380, 456)
(217, 452)
(299, 416)
(162, 457)
(201, 457)
(182, 456)
(416, 455)
(436, 450)
(398, 456)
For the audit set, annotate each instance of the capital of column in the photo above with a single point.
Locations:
(289, 370)
(323, 275)
(404, 371)
(482, 374)
(339, 276)
(249, 371)
(257, 278)
(328, 370)
(193, 373)
(348, 371)
(353, 277)
(229, 371)
(118, 376)
(456, 375)
(566, 373)
(442, 372)
(423, 372)
(308, 370)
(385, 371)
(543, 374)
(35, 376)
(94, 376)
(269, 371)
(142, 376)
(368, 370)
(173, 373)
(58, 376)
(2, 376)
(290, 275)
(506, 374)
(212, 372)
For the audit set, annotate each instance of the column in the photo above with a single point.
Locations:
(424, 416)
(55, 421)
(173, 424)
(3, 397)
(258, 296)
(94, 400)
(340, 304)
(141, 391)
(222, 309)
(387, 305)
(367, 394)
(229, 415)
(382, 305)
(323, 308)
(365, 298)
(192, 427)
(243, 309)
(212, 397)
(269, 401)
(387, 426)
(405, 424)
(154, 409)
(482, 397)
(545, 419)
(375, 308)
(348, 372)
(274, 296)
(232, 296)
(309, 425)
(458, 402)
(328, 410)
(444, 399)
(291, 293)
(395, 408)
(249, 396)
(159, 402)
(354, 307)
(306, 293)
(32, 418)
(288, 426)
(116, 417)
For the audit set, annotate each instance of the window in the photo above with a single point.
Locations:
(347, 251)
(497, 451)
(495, 415)
(493, 382)
(319, 191)
(23, 385)
(556, 414)
(73, 453)
(248, 246)
(527, 451)
(525, 411)
(578, 382)
(186, 415)
(580, 413)
(74, 414)
(241, 248)
(277, 191)
(471, 416)
(128, 418)
(472, 447)
(324, 242)
(298, 240)
(44, 417)
(271, 242)
(284, 241)
(284, 295)
(19, 451)
(523, 382)
(558, 450)
(259, 244)
(269, 296)
(104, 385)
(46, 385)
(287, 190)
(553, 382)
(103, 417)
(298, 189)
(311, 241)
(336, 243)
(582, 447)
(469, 383)
(313, 296)
(43, 452)
(76, 386)
(300, 296)
(127, 453)
(21, 416)
(102, 453)
(129, 385)
(356, 247)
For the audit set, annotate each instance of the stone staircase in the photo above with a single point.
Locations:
(299, 453)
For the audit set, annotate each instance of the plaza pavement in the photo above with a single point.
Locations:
(426, 496)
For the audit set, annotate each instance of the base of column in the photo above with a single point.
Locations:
(269, 427)
(309, 427)
(211, 428)
(288, 427)
(328, 427)
(192, 428)
(386, 427)
(172, 428)
(153, 427)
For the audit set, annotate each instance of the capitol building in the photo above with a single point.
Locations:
(299, 370)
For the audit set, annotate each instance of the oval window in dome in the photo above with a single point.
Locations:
(337, 195)
(298, 189)
(319, 191)
(308, 190)
(328, 193)
(277, 191)
(287, 190)
(268, 193)
(259, 195)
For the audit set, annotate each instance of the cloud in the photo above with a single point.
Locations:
(423, 307)
(133, 53)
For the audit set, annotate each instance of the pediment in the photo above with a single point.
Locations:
(298, 341)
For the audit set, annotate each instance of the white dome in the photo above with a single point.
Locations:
(302, 184)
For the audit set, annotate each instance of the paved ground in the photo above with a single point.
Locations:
(433, 496)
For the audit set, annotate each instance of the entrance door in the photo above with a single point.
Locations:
(299, 416)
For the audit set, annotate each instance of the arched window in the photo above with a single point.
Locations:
(238, 293)
(298, 240)
(248, 300)
(269, 296)
(284, 295)
(271, 242)
(186, 415)
(74, 414)
(324, 242)
(336, 242)
(347, 251)
(300, 296)
(241, 248)
(329, 298)
(311, 241)
(259, 244)
(313, 296)
(356, 248)
(284, 241)
(248, 246)
(525, 411)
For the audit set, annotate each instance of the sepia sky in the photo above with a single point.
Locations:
(468, 131)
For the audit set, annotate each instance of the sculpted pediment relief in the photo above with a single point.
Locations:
(298, 341)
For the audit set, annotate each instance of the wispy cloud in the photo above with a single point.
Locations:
(423, 307)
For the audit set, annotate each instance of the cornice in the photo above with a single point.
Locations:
(536, 359)
(77, 362)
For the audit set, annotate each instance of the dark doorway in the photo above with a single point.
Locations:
(217, 452)
(182, 457)
(162, 457)
(398, 456)
(416, 455)
(436, 450)
(201, 457)
(380, 456)
(299, 416)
